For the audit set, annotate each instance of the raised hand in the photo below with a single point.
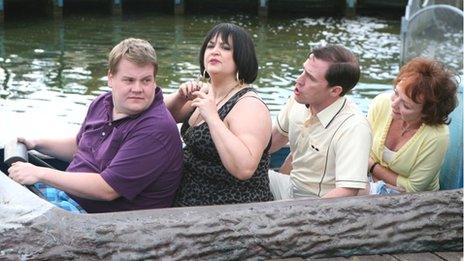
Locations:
(205, 105)
(187, 89)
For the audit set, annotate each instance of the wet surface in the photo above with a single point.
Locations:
(50, 70)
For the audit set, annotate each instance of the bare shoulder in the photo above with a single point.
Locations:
(250, 109)
(251, 98)
(250, 119)
(251, 103)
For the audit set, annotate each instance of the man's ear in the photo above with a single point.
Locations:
(335, 91)
(110, 79)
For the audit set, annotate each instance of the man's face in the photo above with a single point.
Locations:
(133, 87)
(311, 86)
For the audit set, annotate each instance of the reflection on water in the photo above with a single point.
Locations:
(50, 70)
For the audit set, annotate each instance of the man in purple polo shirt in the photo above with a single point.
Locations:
(128, 153)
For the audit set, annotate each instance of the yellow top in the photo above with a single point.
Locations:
(419, 160)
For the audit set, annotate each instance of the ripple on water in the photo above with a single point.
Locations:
(64, 65)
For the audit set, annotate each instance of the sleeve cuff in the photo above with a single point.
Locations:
(113, 184)
(402, 182)
(351, 184)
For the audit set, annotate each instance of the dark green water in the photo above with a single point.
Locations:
(50, 70)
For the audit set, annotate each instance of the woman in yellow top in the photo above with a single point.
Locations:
(410, 129)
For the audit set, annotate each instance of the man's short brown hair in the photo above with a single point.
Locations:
(343, 69)
(137, 51)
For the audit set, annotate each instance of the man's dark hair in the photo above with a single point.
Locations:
(344, 67)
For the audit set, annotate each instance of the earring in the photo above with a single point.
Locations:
(201, 79)
(237, 78)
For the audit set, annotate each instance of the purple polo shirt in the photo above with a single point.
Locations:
(139, 156)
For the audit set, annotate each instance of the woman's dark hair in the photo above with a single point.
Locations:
(429, 82)
(343, 69)
(243, 50)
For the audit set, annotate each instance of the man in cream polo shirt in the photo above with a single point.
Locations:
(329, 138)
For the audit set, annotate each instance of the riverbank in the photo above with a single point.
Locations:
(13, 9)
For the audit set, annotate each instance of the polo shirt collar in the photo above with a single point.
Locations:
(327, 115)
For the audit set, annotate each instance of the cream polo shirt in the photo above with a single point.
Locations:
(330, 149)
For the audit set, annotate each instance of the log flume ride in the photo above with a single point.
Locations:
(33, 228)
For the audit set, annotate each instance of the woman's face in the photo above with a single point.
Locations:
(403, 107)
(218, 58)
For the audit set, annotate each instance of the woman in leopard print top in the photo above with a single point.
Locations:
(226, 127)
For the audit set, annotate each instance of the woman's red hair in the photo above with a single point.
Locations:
(428, 82)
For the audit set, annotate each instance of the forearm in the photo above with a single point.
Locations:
(278, 140)
(177, 106)
(287, 166)
(341, 192)
(85, 185)
(236, 157)
(62, 149)
(382, 173)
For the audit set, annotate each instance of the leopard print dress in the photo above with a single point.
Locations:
(205, 180)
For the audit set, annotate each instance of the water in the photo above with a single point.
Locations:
(50, 70)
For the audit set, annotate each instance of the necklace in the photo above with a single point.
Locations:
(217, 103)
(406, 129)
(229, 92)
